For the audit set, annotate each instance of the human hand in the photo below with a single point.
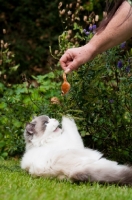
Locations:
(73, 58)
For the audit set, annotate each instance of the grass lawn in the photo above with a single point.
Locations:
(16, 184)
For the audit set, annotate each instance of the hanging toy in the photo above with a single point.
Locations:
(65, 85)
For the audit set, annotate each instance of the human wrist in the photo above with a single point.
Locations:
(90, 51)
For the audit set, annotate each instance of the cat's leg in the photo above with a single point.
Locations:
(70, 132)
(39, 162)
(103, 171)
(68, 125)
(89, 166)
(69, 162)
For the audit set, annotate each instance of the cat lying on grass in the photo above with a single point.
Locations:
(55, 152)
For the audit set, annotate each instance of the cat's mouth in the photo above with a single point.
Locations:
(57, 128)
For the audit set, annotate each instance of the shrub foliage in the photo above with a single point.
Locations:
(99, 99)
(31, 26)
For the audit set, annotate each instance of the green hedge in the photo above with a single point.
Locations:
(32, 26)
(99, 99)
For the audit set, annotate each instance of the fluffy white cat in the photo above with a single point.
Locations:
(55, 152)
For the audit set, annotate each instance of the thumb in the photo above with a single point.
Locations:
(68, 70)
(72, 66)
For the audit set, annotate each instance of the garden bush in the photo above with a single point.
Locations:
(99, 99)
(100, 96)
(31, 26)
(19, 104)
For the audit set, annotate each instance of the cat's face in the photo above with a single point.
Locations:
(41, 128)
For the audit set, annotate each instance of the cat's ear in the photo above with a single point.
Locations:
(30, 128)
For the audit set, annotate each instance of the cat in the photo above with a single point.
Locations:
(59, 152)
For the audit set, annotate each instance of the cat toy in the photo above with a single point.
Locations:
(65, 85)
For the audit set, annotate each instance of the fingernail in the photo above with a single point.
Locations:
(67, 70)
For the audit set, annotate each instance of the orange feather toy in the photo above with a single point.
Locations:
(65, 85)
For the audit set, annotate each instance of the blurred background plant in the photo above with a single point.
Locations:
(100, 95)
(19, 103)
(31, 26)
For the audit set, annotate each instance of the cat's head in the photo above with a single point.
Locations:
(41, 130)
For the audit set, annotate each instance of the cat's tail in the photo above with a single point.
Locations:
(104, 171)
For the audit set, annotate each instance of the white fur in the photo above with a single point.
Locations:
(61, 154)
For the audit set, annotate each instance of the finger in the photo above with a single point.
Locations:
(65, 60)
(68, 67)
(68, 70)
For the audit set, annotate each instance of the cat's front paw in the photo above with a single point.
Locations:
(67, 120)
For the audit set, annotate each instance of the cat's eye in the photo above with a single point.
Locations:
(46, 122)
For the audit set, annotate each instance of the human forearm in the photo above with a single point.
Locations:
(117, 31)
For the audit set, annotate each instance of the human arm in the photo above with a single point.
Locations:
(117, 31)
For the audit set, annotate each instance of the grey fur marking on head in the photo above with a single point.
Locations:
(30, 128)
(36, 126)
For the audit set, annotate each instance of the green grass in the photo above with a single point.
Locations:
(16, 184)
